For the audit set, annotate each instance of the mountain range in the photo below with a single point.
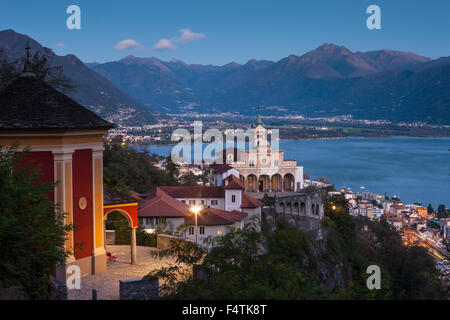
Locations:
(330, 80)
(91, 89)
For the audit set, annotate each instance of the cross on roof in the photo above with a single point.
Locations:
(27, 65)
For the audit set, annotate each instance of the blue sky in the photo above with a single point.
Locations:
(221, 31)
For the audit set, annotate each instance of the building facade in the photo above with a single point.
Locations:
(219, 209)
(66, 141)
(263, 168)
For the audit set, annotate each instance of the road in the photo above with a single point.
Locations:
(413, 237)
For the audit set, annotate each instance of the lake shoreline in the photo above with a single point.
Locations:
(397, 165)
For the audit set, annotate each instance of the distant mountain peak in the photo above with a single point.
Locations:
(332, 49)
(232, 64)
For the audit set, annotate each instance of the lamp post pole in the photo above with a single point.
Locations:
(196, 227)
(196, 210)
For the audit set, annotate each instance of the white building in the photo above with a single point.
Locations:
(220, 208)
(263, 168)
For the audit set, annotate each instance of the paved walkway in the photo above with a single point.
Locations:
(107, 283)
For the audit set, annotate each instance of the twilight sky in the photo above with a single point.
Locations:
(220, 31)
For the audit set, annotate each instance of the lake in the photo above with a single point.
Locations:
(414, 169)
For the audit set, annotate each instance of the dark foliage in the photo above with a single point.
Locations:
(126, 169)
(32, 233)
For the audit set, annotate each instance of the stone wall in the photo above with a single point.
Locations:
(110, 237)
(304, 210)
(163, 241)
(138, 289)
(299, 204)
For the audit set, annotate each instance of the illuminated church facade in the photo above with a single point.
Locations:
(263, 168)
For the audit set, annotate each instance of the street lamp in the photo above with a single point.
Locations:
(196, 210)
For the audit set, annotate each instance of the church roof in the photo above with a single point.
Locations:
(250, 202)
(220, 168)
(29, 103)
(233, 183)
(257, 122)
(193, 191)
(163, 205)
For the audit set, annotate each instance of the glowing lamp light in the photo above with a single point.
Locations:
(334, 207)
(195, 209)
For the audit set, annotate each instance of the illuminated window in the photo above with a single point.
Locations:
(219, 233)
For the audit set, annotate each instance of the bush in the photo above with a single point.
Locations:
(32, 234)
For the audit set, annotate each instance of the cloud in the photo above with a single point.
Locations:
(61, 45)
(125, 44)
(164, 44)
(187, 36)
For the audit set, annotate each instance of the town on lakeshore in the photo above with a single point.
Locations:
(144, 178)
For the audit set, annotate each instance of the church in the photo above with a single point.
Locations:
(262, 167)
(66, 142)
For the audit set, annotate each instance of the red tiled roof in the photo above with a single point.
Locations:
(138, 196)
(193, 191)
(250, 202)
(215, 217)
(233, 182)
(220, 168)
(162, 205)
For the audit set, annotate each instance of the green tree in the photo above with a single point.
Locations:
(32, 234)
(41, 66)
(442, 211)
(171, 167)
(430, 209)
(189, 179)
(265, 199)
(128, 169)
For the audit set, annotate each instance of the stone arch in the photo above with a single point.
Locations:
(303, 209)
(251, 182)
(288, 182)
(296, 208)
(276, 182)
(313, 209)
(282, 207)
(317, 210)
(263, 183)
(123, 213)
(289, 207)
(131, 224)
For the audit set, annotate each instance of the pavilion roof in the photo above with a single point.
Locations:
(29, 103)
